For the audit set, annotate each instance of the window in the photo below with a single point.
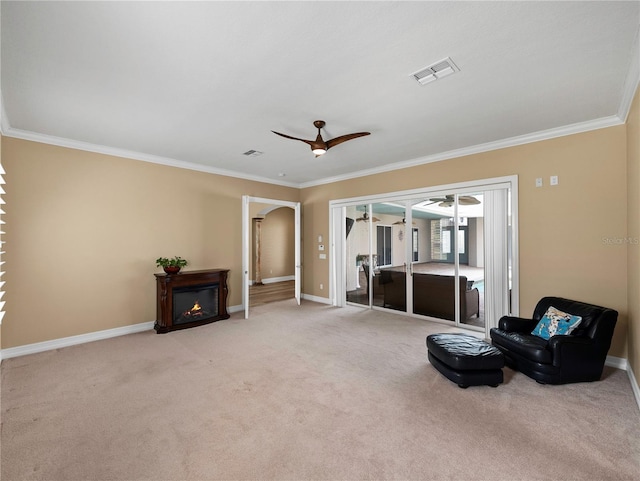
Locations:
(384, 245)
(439, 241)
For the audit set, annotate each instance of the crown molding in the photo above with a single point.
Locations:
(130, 154)
(571, 129)
(477, 149)
(4, 119)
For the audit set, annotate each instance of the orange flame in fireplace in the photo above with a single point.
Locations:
(196, 308)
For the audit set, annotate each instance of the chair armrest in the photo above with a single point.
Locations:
(472, 304)
(572, 349)
(516, 324)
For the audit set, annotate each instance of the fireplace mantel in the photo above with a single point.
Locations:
(169, 286)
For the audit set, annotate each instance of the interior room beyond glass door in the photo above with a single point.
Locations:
(358, 258)
(447, 262)
(389, 278)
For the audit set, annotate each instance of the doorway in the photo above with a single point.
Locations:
(271, 267)
(256, 269)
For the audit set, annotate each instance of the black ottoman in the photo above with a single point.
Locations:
(466, 360)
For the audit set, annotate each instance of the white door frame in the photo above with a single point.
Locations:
(246, 246)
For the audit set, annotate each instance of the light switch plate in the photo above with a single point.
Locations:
(553, 180)
(539, 182)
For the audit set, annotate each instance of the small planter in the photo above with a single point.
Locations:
(171, 266)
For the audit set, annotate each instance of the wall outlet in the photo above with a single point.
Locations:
(539, 182)
(322, 256)
(553, 180)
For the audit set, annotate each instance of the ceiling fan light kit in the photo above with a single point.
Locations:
(319, 146)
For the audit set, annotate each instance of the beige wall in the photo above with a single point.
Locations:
(563, 229)
(84, 230)
(633, 176)
(278, 243)
(278, 240)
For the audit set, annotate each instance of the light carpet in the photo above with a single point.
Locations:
(301, 393)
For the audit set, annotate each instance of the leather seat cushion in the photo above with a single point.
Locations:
(464, 352)
(528, 346)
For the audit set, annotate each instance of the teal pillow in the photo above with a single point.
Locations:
(555, 322)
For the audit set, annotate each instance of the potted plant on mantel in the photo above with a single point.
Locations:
(171, 266)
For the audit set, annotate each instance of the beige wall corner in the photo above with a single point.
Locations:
(569, 233)
(633, 234)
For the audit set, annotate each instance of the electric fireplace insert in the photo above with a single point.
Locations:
(190, 298)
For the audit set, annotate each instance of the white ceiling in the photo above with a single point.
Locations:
(198, 83)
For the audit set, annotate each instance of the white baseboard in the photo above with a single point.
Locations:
(617, 362)
(73, 340)
(321, 300)
(82, 338)
(634, 385)
(271, 280)
(232, 309)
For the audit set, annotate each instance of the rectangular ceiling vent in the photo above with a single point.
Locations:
(435, 71)
(252, 153)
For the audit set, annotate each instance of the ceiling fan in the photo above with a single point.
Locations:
(403, 221)
(449, 200)
(319, 146)
(365, 217)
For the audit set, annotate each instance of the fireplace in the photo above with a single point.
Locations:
(190, 298)
(197, 303)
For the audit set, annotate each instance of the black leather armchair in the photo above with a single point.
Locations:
(562, 359)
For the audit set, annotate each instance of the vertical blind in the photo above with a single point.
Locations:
(497, 291)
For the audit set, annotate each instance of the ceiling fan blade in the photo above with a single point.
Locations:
(468, 200)
(293, 138)
(319, 146)
(344, 138)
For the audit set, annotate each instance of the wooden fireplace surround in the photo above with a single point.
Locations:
(165, 283)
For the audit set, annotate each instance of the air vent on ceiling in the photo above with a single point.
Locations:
(435, 71)
(253, 153)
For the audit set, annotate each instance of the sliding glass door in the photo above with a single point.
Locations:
(448, 284)
(446, 255)
(358, 254)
